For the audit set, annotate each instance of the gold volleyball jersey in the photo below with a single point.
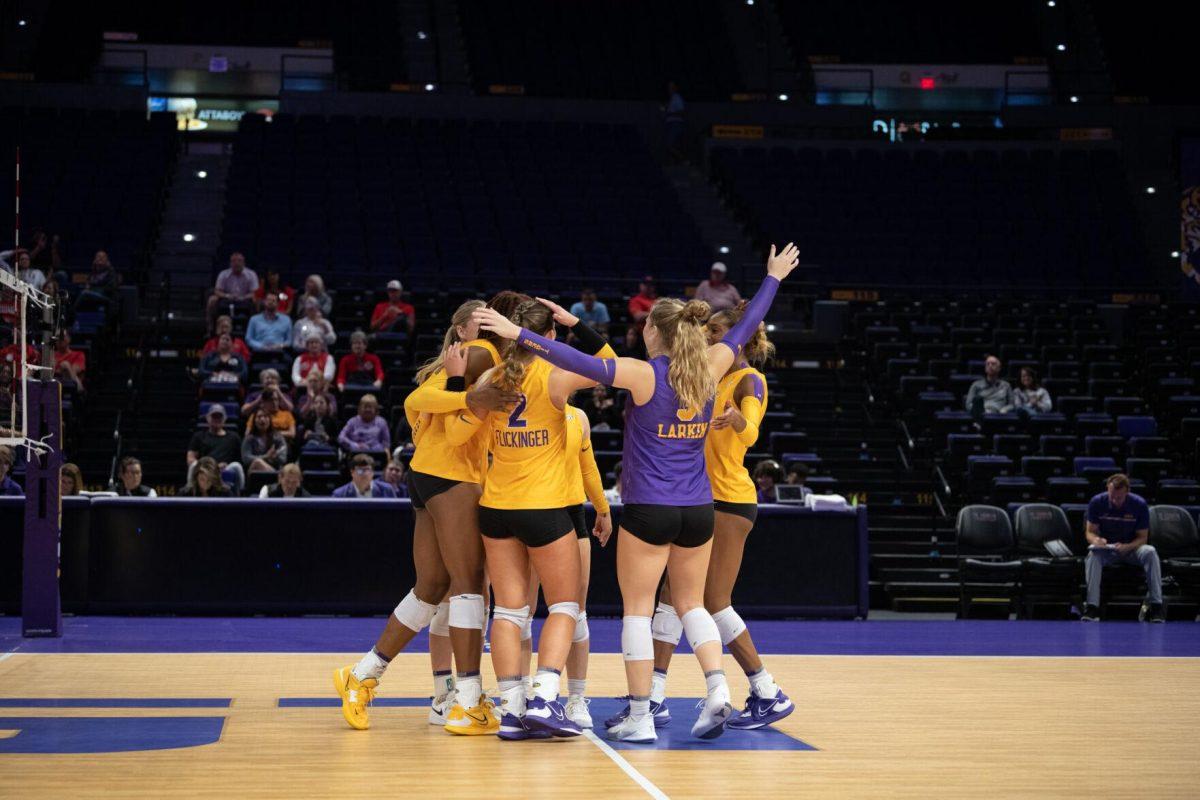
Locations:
(529, 449)
(576, 447)
(434, 455)
(724, 449)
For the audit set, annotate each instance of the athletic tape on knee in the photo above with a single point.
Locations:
(729, 624)
(566, 609)
(582, 634)
(414, 613)
(468, 611)
(666, 627)
(440, 624)
(636, 642)
(699, 626)
(517, 616)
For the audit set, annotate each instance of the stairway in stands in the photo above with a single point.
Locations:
(108, 395)
(715, 221)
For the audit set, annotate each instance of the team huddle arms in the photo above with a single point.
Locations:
(491, 414)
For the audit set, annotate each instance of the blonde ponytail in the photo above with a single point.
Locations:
(681, 326)
(536, 317)
(461, 317)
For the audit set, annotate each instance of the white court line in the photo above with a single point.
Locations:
(638, 778)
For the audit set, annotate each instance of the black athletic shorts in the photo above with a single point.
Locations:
(535, 527)
(685, 526)
(422, 488)
(581, 528)
(746, 510)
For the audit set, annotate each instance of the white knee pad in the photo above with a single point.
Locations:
(636, 642)
(666, 627)
(729, 624)
(527, 628)
(414, 613)
(440, 624)
(566, 609)
(517, 616)
(582, 634)
(468, 611)
(699, 626)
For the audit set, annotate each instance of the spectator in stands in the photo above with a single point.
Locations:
(613, 493)
(639, 308)
(24, 268)
(320, 424)
(673, 118)
(225, 325)
(991, 394)
(366, 432)
(6, 394)
(130, 483)
(601, 409)
(270, 330)
(45, 254)
(283, 421)
(102, 283)
(314, 288)
(312, 323)
(394, 475)
(223, 365)
(362, 480)
(1030, 397)
(263, 449)
(290, 484)
(719, 293)
(70, 480)
(205, 481)
(269, 378)
(1118, 528)
(797, 475)
(315, 358)
(766, 475)
(11, 355)
(315, 385)
(8, 487)
(235, 288)
(394, 315)
(359, 368)
(284, 295)
(591, 311)
(69, 365)
(219, 445)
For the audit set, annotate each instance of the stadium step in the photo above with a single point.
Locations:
(716, 223)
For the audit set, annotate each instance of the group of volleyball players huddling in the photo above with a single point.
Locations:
(502, 466)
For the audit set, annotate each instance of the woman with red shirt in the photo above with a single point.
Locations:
(359, 368)
(225, 325)
(314, 357)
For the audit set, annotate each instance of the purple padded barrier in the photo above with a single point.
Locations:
(41, 607)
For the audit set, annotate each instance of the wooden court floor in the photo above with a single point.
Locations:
(875, 726)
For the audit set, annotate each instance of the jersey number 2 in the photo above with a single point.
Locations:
(514, 419)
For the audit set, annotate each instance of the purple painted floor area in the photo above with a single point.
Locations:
(897, 638)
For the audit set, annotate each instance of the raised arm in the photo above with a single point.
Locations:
(722, 354)
(562, 383)
(625, 373)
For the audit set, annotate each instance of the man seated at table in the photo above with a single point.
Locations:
(362, 480)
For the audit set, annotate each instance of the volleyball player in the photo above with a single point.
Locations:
(667, 520)
(742, 397)
(524, 519)
(447, 553)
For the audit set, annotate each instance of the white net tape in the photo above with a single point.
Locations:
(15, 298)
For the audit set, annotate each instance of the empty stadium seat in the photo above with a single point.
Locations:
(986, 568)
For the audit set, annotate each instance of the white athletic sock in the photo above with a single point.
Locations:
(443, 684)
(545, 685)
(576, 687)
(638, 708)
(718, 689)
(512, 697)
(470, 689)
(372, 665)
(658, 686)
(762, 683)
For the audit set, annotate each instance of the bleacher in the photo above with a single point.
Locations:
(605, 49)
(1020, 216)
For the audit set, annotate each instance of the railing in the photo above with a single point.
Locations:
(309, 80)
(140, 69)
(846, 87)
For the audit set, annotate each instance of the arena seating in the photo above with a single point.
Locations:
(941, 32)
(604, 49)
(452, 205)
(900, 216)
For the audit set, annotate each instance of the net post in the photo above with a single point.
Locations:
(41, 602)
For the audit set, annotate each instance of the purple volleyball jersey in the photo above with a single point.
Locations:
(663, 459)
